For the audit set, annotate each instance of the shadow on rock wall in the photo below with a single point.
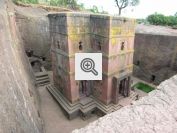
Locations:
(34, 28)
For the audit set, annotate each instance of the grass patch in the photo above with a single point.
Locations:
(144, 87)
(26, 1)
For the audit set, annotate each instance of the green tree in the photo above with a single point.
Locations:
(72, 4)
(157, 19)
(94, 9)
(160, 19)
(121, 4)
(65, 3)
(56, 2)
(81, 6)
(27, 1)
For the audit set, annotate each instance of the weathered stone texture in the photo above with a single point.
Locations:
(155, 54)
(34, 28)
(18, 100)
(155, 113)
(74, 32)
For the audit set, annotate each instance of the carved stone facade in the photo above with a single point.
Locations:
(112, 36)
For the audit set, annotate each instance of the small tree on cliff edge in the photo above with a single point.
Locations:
(121, 4)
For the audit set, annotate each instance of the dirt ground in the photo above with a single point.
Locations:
(53, 117)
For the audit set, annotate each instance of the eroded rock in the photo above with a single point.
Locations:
(155, 113)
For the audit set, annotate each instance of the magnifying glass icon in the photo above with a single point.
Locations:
(88, 65)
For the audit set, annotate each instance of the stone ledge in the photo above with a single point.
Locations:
(85, 106)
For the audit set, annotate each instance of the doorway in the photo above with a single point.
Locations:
(124, 87)
(121, 88)
(84, 88)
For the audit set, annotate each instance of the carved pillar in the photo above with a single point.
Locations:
(115, 90)
(125, 87)
(122, 87)
(87, 88)
(128, 91)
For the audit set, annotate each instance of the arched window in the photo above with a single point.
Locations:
(153, 78)
(99, 46)
(138, 63)
(43, 58)
(80, 46)
(29, 53)
(122, 45)
(58, 45)
(32, 63)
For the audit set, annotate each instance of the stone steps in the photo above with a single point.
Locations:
(87, 109)
(42, 78)
(43, 84)
(104, 108)
(40, 74)
(42, 81)
(133, 95)
(70, 108)
(85, 105)
(117, 107)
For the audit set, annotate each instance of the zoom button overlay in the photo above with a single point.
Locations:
(88, 66)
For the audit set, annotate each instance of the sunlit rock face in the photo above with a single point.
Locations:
(155, 56)
(19, 110)
(155, 113)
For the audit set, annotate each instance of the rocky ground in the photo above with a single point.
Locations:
(54, 119)
(155, 113)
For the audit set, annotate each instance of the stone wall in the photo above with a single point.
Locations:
(19, 110)
(34, 28)
(155, 55)
(155, 113)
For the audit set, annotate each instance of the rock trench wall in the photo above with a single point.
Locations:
(19, 110)
(33, 25)
(155, 57)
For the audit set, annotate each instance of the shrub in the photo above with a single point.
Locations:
(160, 19)
(144, 87)
(27, 1)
